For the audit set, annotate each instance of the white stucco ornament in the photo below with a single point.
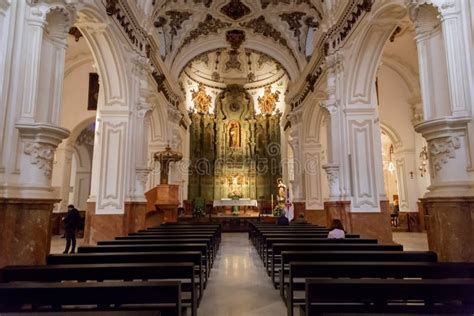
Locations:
(42, 156)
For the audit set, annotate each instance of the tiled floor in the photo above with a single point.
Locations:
(239, 285)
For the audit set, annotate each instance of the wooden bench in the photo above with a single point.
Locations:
(342, 296)
(278, 248)
(174, 235)
(154, 241)
(184, 272)
(299, 271)
(135, 257)
(153, 248)
(266, 236)
(297, 240)
(162, 296)
(350, 256)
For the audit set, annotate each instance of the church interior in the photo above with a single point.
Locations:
(198, 155)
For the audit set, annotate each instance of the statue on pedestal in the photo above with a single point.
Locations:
(281, 198)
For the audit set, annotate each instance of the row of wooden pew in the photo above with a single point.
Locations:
(356, 275)
(162, 269)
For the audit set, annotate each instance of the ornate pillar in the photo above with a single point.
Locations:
(449, 204)
(30, 132)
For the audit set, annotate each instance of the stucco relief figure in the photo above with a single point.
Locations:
(234, 135)
(267, 103)
(201, 100)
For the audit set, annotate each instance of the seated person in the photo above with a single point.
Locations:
(336, 231)
(283, 220)
(300, 219)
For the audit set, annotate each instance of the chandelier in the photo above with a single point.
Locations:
(424, 161)
(391, 165)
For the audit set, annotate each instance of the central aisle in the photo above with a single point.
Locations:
(238, 284)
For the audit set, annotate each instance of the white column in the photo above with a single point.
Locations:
(296, 137)
(62, 174)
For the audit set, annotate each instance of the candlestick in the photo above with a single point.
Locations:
(272, 204)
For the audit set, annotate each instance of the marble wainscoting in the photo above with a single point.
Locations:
(25, 230)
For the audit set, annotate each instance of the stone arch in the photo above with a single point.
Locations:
(369, 45)
(108, 56)
(392, 134)
(291, 65)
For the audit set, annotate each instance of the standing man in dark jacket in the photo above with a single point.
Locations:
(71, 222)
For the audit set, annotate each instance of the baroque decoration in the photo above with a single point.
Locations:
(42, 156)
(442, 149)
(235, 9)
(234, 142)
(201, 100)
(268, 101)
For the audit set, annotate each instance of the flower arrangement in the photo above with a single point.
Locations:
(234, 195)
(198, 212)
(278, 210)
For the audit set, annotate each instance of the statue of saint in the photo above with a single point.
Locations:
(281, 191)
(234, 135)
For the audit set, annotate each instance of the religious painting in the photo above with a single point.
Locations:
(234, 135)
(201, 100)
(267, 103)
(93, 96)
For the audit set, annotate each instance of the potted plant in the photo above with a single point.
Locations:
(235, 196)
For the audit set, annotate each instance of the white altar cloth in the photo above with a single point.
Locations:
(240, 202)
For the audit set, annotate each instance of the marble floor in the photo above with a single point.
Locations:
(238, 284)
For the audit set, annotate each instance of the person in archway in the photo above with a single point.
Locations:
(336, 231)
(71, 223)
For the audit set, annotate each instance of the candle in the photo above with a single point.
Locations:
(272, 203)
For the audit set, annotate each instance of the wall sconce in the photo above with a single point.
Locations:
(424, 161)
(411, 174)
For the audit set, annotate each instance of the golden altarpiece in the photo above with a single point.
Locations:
(233, 150)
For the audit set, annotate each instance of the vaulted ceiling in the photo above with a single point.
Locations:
(269, 26)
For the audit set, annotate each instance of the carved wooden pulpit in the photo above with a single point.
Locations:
(165, 197)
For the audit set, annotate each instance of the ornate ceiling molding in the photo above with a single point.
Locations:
(261, 26)
(210, 25)
(235, 10)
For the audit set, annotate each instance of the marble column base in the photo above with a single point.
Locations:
(316, 217)
(450, 227)
(25, 230)
(374, 225)
(107, 227)
(367, 224)
(338, 210)
(299, 208)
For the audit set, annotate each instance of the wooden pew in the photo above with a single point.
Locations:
(185, 272)
(320, 240)
(296, 235)
(163, 296)
(153, 248)
(299, 271)
(278, 248)
(154, 241)
(154, 232)
(342, 296)
(174, 235)
(351, 256)
(134, 257)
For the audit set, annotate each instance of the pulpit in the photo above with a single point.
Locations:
(164, 198)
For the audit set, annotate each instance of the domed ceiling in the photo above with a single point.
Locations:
(275, 25)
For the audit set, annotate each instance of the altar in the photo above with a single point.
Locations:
(231, 202)
(246, 206)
